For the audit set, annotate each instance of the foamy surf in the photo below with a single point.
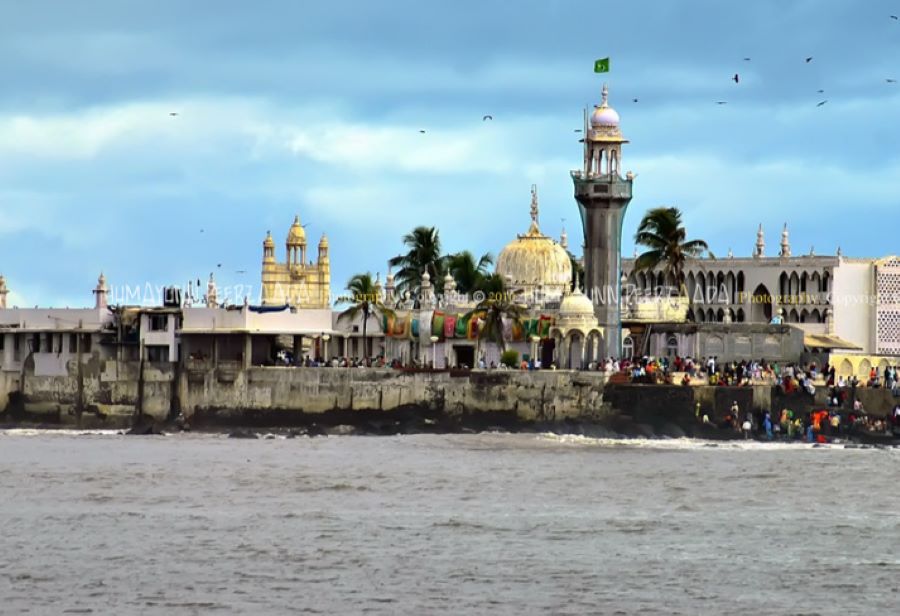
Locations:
(57, 432)
(688, 444)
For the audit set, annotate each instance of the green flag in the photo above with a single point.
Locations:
(601, 65)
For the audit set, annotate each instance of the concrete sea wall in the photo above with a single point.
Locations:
(115, 393)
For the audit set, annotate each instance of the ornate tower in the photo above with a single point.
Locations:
(100, 292)
(603, 195)
(760, 251)
(4, 291)
(785, 243)
(299, 282)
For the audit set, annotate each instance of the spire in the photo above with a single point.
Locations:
(100, 292)
(389, 286)
(604, 95)
(534, 208)
(760, 243)
(3, 291)
(785, 243)
(730, 254)
(564, 237)
(211, 294)
(839, 253)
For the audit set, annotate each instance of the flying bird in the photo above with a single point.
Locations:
(219, 265)
(721, 102)
(820, 91)
(736, 78)
(173, 113)
(201, 230)
(809, 59)
(746, 59)
(891, 80)
(635, 100)
(422, 131)
(822, 103)
(487, 117)
(240, 272)
(894, 17)
(577, 130)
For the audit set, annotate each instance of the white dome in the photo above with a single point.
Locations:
(604, 116)
(576, 304)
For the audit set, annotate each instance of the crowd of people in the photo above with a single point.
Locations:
(815, 426)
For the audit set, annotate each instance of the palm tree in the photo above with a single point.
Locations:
(468, 274)
(492, 310)
(661, 231)
(364, 299)
(424, 254)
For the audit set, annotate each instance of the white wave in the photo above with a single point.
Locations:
(58, 432)
(680, 443)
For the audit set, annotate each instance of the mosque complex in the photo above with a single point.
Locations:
(782, 306)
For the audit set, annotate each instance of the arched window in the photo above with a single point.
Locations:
(628, 347)
(672, 346)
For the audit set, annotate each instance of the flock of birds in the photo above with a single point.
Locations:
(736, 79)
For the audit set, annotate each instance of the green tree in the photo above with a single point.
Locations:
(662, 233)
(423, 254)
(492, 310)
(364, 299)
(469, 274)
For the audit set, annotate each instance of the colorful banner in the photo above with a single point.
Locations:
(449, 326)
(462, 326)
(437, 324)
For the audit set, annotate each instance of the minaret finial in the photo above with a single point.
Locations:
(785, 242)
(604, 96)
(534, 204)
(760, 243)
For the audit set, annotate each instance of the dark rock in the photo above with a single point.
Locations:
(672, 430)
(242, 434)
(147, 429)
(316, 430)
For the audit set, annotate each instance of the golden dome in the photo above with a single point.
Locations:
(323, 243)
(534, 260)
(296, 235)
(268, 242)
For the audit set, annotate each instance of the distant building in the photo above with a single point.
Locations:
(838, 302)
(298, 282)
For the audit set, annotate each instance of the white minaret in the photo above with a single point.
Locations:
(389, 288)
(785, 243)
(426, 292)
(379, 291)
(564, 239)
(3, 292)
(100, 293)
(211, 294)
(760, 250)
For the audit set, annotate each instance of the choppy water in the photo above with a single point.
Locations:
(480, 524)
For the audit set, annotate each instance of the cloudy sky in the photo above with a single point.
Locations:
(315, 108)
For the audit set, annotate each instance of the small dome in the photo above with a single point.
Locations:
(426, 277)
(269, 242)
(323, 243)
(296, 235)
(576, 304)
(604, 116)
